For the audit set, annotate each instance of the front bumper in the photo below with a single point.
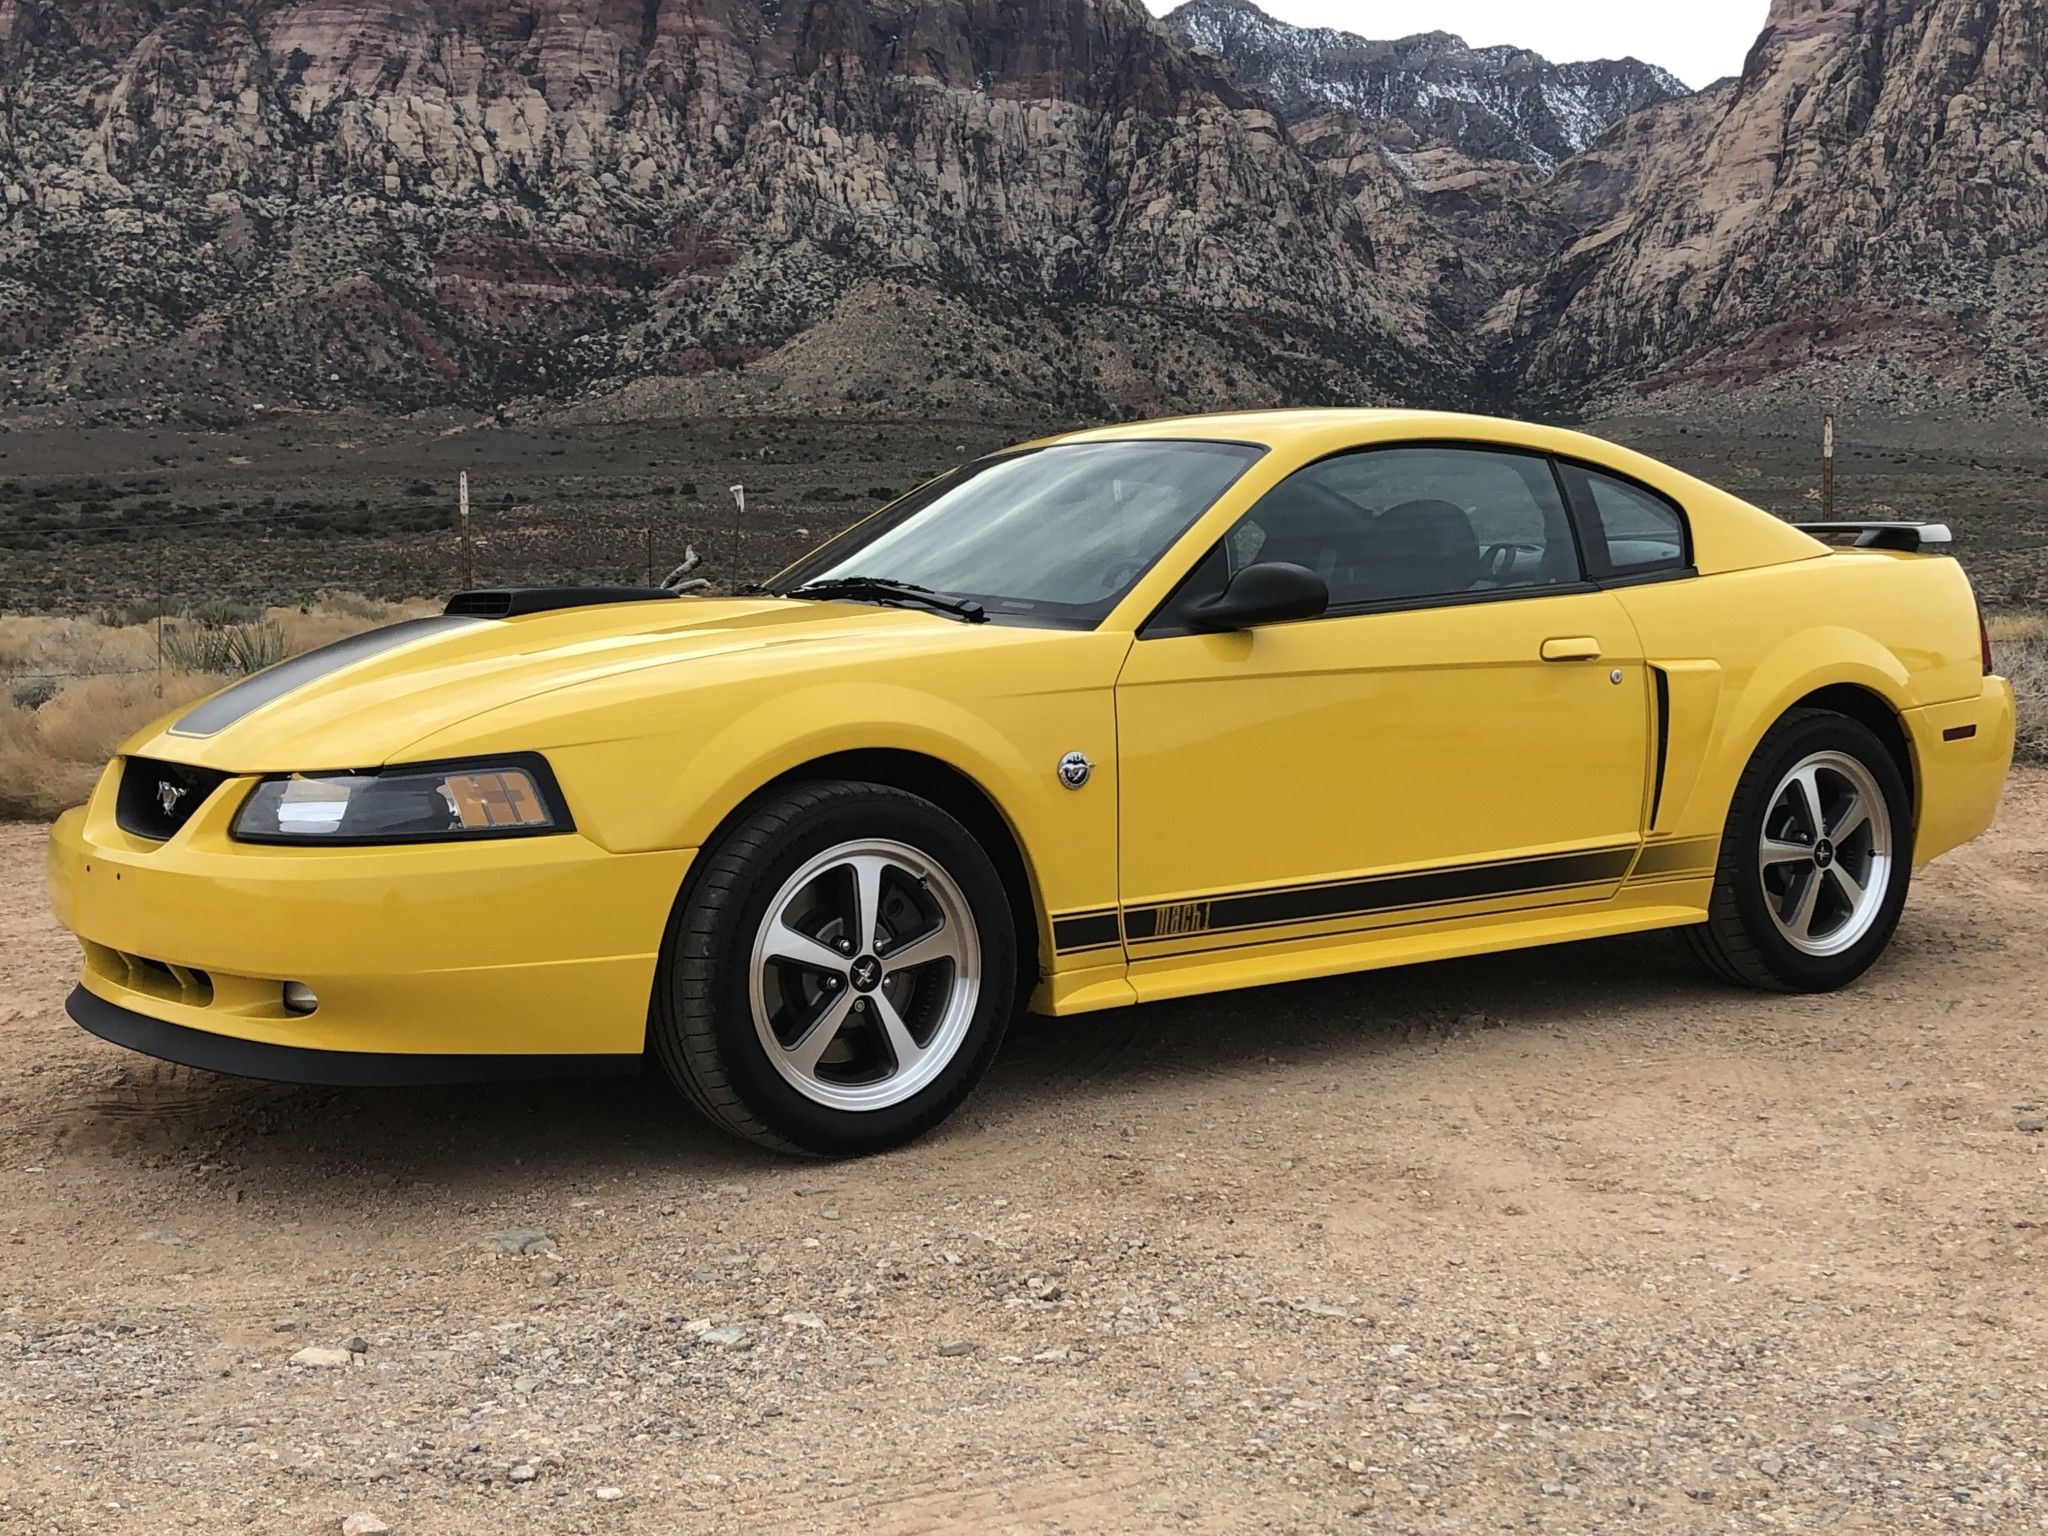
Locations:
(465, 959)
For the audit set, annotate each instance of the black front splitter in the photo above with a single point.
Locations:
(300, 1064)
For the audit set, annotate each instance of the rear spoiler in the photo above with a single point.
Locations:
(1909, 538)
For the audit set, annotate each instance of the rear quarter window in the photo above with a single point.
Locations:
(1628, 529)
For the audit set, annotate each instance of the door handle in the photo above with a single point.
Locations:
(1573, 648)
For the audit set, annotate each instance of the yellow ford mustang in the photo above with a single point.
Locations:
(1133, 714)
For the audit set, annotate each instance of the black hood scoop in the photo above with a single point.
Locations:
(512, 602)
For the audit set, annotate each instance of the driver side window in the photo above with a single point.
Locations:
(1406, 525)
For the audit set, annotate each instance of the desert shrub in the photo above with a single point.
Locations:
(219, 613)
(349, 605)
(50, 755)
(126, 615)
(2019, 643)
(35, 690)
(234, 649)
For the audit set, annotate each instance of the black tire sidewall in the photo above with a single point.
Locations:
(845, 818)
(1785, 747)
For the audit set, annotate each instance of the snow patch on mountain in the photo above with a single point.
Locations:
(1494, 103)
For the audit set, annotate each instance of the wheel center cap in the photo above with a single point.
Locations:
(866, 974)
(1823, 853)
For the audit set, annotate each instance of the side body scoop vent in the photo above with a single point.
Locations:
(511, 602)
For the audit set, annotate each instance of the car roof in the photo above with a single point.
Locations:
(1323, 427)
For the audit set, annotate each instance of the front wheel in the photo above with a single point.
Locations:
(1815, 859)
(839, 974)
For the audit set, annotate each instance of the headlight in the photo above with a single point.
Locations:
(514, 796)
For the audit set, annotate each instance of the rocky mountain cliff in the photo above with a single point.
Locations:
(999, 208)
(976, 203)
(1491, 103)
(1863, 212)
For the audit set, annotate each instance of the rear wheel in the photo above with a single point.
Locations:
(1814, 862)
(839, 974)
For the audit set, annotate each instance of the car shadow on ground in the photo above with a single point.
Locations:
(477, 1138)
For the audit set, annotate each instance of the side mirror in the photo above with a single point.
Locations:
(1269, 593)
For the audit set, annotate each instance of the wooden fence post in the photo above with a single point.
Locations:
(1827, 468)
(468, 559)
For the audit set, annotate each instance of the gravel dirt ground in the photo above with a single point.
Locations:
(1568, 1241)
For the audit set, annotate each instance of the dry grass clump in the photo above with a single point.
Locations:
(72, 690)
(2019, 645)
(39, 645)
(336, 616)
(50, 755)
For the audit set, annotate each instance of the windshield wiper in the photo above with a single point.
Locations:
(879, 589)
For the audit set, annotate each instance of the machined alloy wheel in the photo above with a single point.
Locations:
(1825, 857)
(865, 974)
(839, 970)
(1815, 859)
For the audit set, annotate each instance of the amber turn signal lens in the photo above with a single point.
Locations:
(494, 798)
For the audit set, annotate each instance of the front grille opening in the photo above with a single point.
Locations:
(153, 978)
(156, 798)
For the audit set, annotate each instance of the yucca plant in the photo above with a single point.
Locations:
(219, 613)
(233, 649)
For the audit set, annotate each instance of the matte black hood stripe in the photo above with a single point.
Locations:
(273, 683)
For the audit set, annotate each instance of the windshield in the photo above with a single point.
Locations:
(1048, 536)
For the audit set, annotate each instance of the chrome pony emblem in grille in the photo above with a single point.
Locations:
(168, 795)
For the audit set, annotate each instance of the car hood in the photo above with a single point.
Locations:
(363, 701)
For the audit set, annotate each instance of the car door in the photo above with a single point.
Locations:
(1464, 732)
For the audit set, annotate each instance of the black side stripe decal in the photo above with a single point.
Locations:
(1087, 930)
(1380, 893)
(1283, 906)
(273, 683)
(1688, 856)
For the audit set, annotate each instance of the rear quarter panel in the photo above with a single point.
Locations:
(1741, 648)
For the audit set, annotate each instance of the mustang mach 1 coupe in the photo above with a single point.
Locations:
(1131, 714)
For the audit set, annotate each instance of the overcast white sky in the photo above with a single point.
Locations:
(1697, 42)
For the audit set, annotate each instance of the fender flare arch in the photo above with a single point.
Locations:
(917, 743)
(1833, 668)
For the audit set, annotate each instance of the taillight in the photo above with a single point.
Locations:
(1984, 643)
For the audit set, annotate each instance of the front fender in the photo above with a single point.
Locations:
(782, 733)
(647, 767)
